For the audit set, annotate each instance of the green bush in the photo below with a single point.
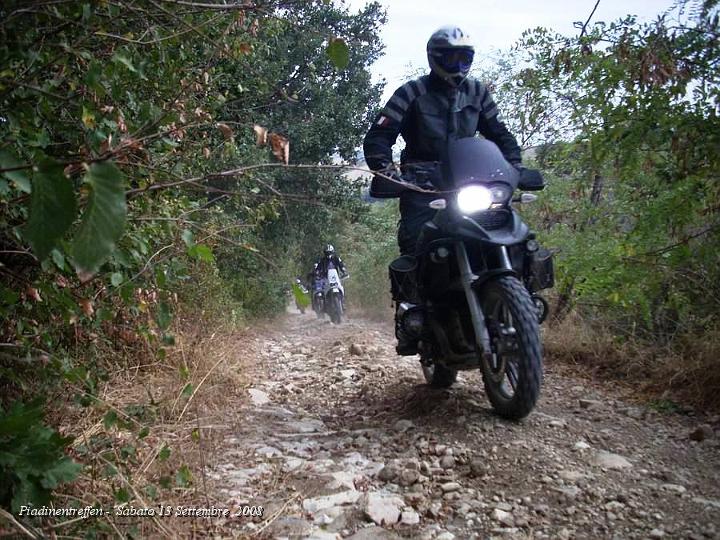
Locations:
(32, 458)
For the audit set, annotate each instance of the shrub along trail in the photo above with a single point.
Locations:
(339, 437)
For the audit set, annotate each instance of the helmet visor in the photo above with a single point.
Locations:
(455, 60)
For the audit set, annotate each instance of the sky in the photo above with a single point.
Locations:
(492, 24)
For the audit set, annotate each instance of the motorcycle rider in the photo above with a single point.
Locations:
(329, 256)
(427, 112)
(320, 268)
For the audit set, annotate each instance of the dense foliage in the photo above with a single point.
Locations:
(143, 172)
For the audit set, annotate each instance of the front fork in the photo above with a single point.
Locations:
(482, 336)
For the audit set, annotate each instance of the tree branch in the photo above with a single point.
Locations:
(584, 26)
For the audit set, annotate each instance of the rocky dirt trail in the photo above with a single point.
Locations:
(340, 438)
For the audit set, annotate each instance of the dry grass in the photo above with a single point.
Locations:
(685, 372)
(190, 421)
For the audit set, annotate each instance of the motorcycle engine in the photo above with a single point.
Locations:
(411, 319)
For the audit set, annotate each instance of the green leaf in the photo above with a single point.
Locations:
(52, 208)
(120, 58)
(160, 277)
(103, 220)
(65, 470)
(202, 253)
(144, 432)
(188, 390)
(58, 258)
(19, 177)
(8, 297)
(122, 495)
(184, 372)
(164, 454)
(88, 118)
(195, 434)
(116, 279)
(338, 52)
(164, 315)
(187, 237)
(110, 419)
(183, 478)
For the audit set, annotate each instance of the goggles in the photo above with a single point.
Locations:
(455, 60)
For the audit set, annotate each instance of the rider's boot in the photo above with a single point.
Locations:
(407, 345)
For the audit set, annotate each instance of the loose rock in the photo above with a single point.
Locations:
(702, 433)
(383, 509)
(450, 487)
(608, 460)
(403, 425)
(505, 518)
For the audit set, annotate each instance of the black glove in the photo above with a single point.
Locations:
(530, 179)
(382, 188)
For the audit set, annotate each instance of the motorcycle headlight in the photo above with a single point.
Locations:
(473, 199)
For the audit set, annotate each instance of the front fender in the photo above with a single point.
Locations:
(516, 232)
(486, 276)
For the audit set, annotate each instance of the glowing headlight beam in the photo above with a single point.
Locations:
(473, 199)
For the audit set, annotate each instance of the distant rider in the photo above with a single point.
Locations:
(329, 256)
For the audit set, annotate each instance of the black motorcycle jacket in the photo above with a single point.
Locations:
(427, 112)
(321, 268)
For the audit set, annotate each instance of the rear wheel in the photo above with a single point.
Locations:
(439, 376)
(513, 373)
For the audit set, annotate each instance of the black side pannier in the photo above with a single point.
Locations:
(403, 279)
(542, 274)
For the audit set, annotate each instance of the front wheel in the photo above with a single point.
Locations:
(336, 309)
(513, 372)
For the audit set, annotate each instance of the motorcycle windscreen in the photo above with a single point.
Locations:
(472, 160)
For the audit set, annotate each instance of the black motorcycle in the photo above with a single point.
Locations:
(469, 296)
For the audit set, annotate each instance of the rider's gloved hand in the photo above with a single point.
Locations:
(530, 179)
(387, 185)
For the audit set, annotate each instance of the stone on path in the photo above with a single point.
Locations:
(608, 460)
(410, 517)
(403, 425)
(317, 504)
(450, 486)
(383, 509)
(504, 518)
(701, 433)
(258, 397)
(590, 404)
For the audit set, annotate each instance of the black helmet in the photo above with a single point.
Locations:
(329, 250)
(450, 54)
